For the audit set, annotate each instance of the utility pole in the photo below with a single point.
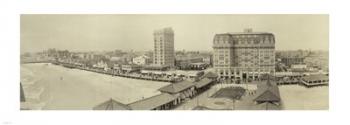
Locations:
(233, 103)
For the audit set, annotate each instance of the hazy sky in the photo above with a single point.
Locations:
(192, 32)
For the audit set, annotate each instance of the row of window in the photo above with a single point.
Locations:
(243, 51)
(244, 42)
(237, 72)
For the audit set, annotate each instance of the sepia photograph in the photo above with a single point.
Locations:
(174, 62)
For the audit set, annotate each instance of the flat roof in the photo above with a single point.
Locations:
(316, 77)
(245, 33)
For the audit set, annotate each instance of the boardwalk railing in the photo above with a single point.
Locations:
(116, 73)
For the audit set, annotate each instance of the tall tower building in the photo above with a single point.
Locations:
(244, 55)
(164, 47)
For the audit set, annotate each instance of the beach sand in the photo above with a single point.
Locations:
(296, 97)
(62, 88)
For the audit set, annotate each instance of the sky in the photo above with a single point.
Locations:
(192, 32)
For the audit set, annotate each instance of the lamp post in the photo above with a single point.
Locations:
(233, 103)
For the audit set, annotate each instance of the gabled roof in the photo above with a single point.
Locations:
(177, 87)
(268, 106)
(152, 102)
(203, 82)
(267, 92)
(267, 96)
(112, 105)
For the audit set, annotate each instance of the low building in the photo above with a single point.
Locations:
(280, 75)
(193, 75)
(163, 101)
(142, 60)
(130, 68)
(211, 75)
(155, 67)
(101, 65)
(298, 66)
(184, 89)
(208, 60)
(203, 84)
(111, 105)
(186, 63)
(267, 92)
(288, 61)
(117, 67)
(315, 80)
(198, 66)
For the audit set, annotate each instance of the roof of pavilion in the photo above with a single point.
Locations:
(315, 77)
(211, 75)
(267, 92)
(152, 102)
(203, 82)
(177, 87)
(112, 105)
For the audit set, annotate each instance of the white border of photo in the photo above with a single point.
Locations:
(10, 42)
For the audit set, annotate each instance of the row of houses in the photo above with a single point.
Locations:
(171, 96)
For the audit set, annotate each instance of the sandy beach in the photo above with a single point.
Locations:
(296, 97)
(70, 89)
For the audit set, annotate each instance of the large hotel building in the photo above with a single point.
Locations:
(244, 55)
(164, 47)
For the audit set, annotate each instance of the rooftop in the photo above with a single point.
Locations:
(177, 87)
(267, 92)
(211, 75)
(243, 33)
(112, 105)
(315, 77)
(152, 102)
(203, 82)
(167, 30)
(267, 106)
(155, 67)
